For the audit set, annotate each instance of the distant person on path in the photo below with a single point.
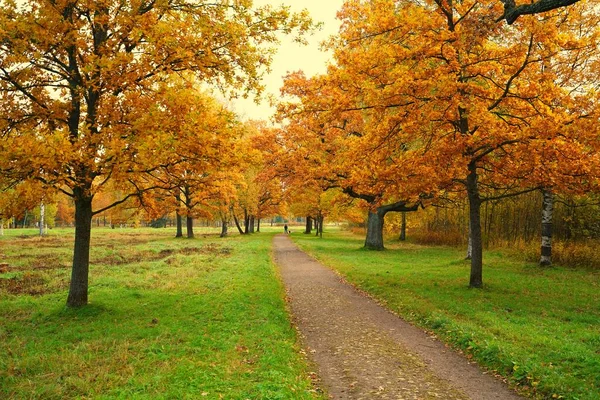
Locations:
(285, 228)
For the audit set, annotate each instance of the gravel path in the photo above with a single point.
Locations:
(363, 351)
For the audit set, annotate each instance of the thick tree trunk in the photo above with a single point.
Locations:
(376, 219)
(179, 226)
(403, 227)
(189, 224)
(320, 229)
(476, 279)
(374, 240)
(251, 224)
(78, 289)
(309, 223)
(246, 222)
(224, 227)
(258, 225)
(547, 210)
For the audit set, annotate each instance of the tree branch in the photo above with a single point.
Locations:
(512, 11)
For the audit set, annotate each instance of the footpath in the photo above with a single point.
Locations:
(363, 351)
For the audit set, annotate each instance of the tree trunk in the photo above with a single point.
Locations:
(42, 218)
(237, 223)
(476, 279)
(251, 224)
(246, 222)
(224, 227)
(309, 223)
(179, 226)
(547, 210)
(179, 223)
(189, 224)
(258, 225)
(321, 218)
(403, 227)
(470, 244)
(374, 240)
(78, 289)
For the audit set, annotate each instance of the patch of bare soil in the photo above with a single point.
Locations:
(40, 262)
(31, 284)
(149, 255)
(363, 351)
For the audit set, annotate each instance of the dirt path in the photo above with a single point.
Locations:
(363, 351)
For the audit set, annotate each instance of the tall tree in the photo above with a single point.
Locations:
(76, 75)
(480, 96)
(336, 140)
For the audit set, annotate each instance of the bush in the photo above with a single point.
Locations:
(438, 238)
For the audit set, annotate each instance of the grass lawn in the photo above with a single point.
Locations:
(168, 318)
(540, 328)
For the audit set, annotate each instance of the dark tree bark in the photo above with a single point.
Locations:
(246, 222)
(403, 227)
(512, 11)
(237, 223)
(78, 289)
(189, 224)
(476, 279)
(547, 210)
(258, 225)
(320, 222)
(251, 224)
(224, 227)
(179, 226)
(309, 223)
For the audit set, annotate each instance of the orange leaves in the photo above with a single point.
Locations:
(416, 96)
(91, 71)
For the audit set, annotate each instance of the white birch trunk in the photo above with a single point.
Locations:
(42, 218)
(547, 210)
(469, 246)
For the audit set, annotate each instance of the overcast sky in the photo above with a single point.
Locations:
(293, 56)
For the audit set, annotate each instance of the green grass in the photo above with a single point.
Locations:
(168, 318)
(540, 328)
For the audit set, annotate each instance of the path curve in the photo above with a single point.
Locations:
(363, 351)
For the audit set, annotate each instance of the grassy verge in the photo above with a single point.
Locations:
(540, 328)
(168, 318)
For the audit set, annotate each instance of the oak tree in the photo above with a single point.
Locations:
(75, 75)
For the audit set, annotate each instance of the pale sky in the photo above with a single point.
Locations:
(293, 56)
